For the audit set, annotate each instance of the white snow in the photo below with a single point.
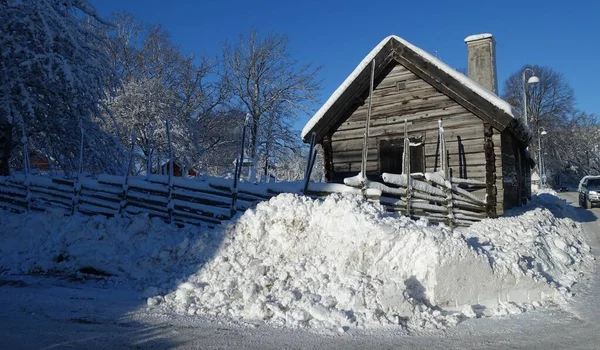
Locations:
(477, 37)
(336, 263)
(464, 80)
(342, 262)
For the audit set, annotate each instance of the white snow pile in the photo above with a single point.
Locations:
(335, 263)
(343, 262)
(536, 241)
(139, 250)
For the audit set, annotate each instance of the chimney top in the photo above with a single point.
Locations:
(481, 49)
(476, 37)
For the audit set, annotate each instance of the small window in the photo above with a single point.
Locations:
(390, 156)
(400, 85)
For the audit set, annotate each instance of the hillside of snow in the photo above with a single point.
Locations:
(298, 262)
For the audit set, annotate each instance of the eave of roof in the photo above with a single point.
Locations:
(392, 40)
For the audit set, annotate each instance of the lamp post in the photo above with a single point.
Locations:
(532, 80)
(541, 132)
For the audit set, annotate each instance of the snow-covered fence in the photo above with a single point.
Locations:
(206, 200)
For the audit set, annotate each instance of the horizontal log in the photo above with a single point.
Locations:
(136, 210)
(457, 203)
(91, 208)
(395, 107)
(51, 199)
(146, 206)
(100, 203)
(464, 214)
(115, 198)
(147, 197)
(453, 114)
(12, 206)
(205, 210)
(13, 191)
(460, 124)
(13, 199)
(184, 215)
(470, 182)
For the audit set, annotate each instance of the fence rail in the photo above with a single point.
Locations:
(190, 201)
(208, 200)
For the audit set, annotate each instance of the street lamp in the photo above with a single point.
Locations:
(541, 132)
(532, 80)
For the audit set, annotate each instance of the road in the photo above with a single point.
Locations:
(50, 313)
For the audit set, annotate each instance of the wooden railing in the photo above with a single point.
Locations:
(207, 200)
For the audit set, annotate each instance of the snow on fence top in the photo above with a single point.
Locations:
(464, 80)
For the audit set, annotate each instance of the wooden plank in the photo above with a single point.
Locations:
(454, 114)
(465, 129)
(348, 98)
(372, 167)
(452, 87)
(394, 107)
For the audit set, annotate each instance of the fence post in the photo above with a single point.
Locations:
(238, 167)
(125, 187)
(445, 170)
(363, 166)
(171, 165)
(406, 167)
(310, 162)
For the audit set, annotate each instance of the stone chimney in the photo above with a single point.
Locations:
(482, 60)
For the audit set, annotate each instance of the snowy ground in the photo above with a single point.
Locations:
(57, 313)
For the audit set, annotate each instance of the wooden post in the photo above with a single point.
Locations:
(328, 158)
(363, 168)
(490, 171)
(25, 149)
(125, 187)
(80, 147)
(312, 154)
(406, 167)
(238, 167)
(444, 163)
(171, 165)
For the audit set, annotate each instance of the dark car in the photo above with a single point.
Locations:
(589, 191)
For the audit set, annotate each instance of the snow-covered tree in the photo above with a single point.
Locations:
(54, 71)
(160, 83)
(269, 84)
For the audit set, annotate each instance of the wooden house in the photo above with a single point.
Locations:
(178, 169)
(485, 141)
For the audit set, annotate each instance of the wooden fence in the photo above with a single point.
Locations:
(208, 200)
(211, 200)
(181, 200)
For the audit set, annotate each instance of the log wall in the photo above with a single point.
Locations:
(401, 95)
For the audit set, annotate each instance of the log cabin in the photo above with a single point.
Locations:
(485, 140)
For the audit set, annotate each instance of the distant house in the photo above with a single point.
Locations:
(485, 140)
(178, 169)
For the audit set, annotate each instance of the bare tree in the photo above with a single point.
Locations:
(550, 103)
(267, 83)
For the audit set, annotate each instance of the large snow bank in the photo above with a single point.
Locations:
(336, 263)
(343, 262)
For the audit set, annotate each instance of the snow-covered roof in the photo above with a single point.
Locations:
(461, 78)
(477, 37)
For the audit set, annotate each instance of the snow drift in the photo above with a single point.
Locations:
(342, 262)
(335, 263)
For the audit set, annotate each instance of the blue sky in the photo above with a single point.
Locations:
(338, 34)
